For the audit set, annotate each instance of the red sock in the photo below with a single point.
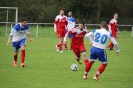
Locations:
(60, 46)
(70, 47)
(22, 56)
(101, 69)
(111, 45)
(88, 67)
(15, 58)
(65, 45)
(85, 61)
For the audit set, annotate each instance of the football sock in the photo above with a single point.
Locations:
(15, 58)
(101, 69)
(65, 45)
(111, 45)
(22, 56)
(85, 60)
(70, 47)
(88, 67)
(60, 47)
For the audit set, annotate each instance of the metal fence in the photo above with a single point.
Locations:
(51, 24)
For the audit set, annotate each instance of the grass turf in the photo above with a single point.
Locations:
(46, 68)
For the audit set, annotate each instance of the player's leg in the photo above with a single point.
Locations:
(16, 48)
(59, 45)
(22, 55)
(63, 35)
(15, 58)
(85, 57)
(102, 57)
(70, 36)
(89, 64)
(23, 45)
(111, 45)
(83, 51)
(77, 53)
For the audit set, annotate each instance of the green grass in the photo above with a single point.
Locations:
(46, 68)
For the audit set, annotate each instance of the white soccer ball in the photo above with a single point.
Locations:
(74, 67)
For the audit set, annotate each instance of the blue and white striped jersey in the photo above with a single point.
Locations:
(71, 23)
(18, 32)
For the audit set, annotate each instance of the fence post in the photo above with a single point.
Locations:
(132, 32)
(37, 30)
(11, 26)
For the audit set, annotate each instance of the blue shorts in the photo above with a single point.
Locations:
(70, 35)
(17, 45)
(98, 53)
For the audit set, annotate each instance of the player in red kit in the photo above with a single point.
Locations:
(113, 28)
(60, 26)
(77, 43)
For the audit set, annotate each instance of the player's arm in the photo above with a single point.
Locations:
(29, 36)
(109, 27)
(118, 31)
(55, 24)
(9, 39)
(66, 24)
(65, 38)
(10, 36)
(74, 22)
(89, 36)
(115, 44)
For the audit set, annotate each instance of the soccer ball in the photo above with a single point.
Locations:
(74, 67)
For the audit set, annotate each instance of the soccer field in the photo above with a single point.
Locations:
(46, 68)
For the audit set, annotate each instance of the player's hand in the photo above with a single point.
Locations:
(8, 42)
(118, 33)
(55, 32)
(31, 40)
(117, 53)
(91, 43)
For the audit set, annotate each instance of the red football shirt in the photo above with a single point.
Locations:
(78, 36)
(113, 25)
(60, 23)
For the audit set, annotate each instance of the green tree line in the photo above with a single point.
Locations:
(90, 11)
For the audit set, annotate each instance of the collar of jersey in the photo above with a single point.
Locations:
(62, 16)
(21, 25)
(103, 29)
(70, 17)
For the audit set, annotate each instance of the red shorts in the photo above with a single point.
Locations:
(114, 34)
(79, 49)
(61, 33)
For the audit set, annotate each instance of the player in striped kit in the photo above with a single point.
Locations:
(98, 44)
(19, 39)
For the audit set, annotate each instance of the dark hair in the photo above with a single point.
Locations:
(62, 9)
(69, 11)
(104, 24)
(81, 22)
(115, 13)
(23, 19)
